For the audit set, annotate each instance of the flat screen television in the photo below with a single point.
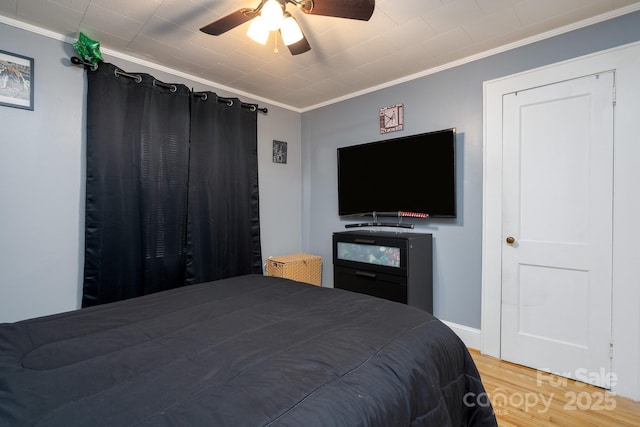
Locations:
(415, 174)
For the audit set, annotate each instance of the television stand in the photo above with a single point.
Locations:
(396, 266)
(379, 224)
(375, 215)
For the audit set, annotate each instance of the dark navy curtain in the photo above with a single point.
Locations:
(139, 232)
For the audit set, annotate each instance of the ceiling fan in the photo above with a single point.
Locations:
(271, 15)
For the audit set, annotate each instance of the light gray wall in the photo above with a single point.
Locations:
(452, 98)
(40, 187)
(42, 180)
(42, 169)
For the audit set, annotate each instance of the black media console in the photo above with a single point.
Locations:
(390, 265)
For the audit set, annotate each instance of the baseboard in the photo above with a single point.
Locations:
(470, 336)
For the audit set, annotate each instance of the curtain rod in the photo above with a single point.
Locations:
(172, 87)
(229, 102)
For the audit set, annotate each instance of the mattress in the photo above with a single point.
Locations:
(246, 351)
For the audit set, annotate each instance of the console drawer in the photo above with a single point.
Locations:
(379, 285)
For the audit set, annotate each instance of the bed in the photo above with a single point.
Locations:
(246, 351)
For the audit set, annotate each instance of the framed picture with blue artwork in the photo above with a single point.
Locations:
(16, 80)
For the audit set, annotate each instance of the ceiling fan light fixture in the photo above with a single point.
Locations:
(272, 14)
(290, 30)
(258, 30)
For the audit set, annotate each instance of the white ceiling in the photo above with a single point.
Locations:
(403, 38)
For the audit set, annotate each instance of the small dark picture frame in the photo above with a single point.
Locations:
(16, 80)
(279, 151)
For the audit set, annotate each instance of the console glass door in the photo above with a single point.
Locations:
(387, 256)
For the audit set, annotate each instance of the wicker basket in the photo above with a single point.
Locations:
(299, 267)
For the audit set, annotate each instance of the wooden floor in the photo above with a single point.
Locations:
(525, 397)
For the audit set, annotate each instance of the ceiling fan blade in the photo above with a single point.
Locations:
(299, 47)
(350, 9)
(229, 22)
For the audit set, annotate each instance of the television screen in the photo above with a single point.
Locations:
(414, 174)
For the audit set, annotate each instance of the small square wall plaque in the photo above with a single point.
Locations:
(392, 118)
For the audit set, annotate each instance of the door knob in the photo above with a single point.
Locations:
(511, 240)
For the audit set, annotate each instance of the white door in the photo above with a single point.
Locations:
(557, 228)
